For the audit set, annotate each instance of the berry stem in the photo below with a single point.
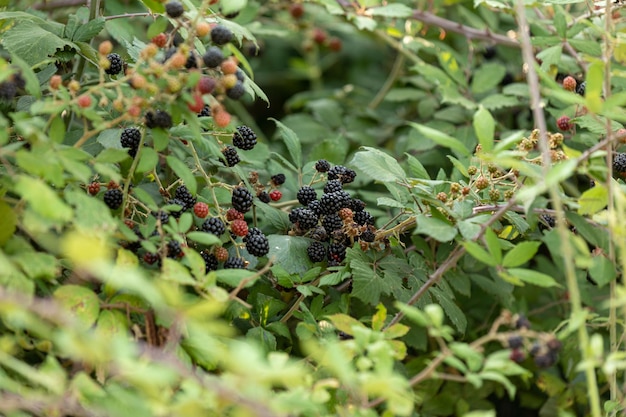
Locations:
(207, 179)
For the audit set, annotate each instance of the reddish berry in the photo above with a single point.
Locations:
(229, 66)
(569, 83)
(150, 258)
(206, 85)
(160, 40)
(296, 10)
(203, 29)
(275, 195)
(197, 104)
(221, 253)
(319, 36)
(233, 214)
(517, 356)
(111, 185)
(105, 47)
(134, 111)
(345, 213)
(84, 101)
(239, 227)
(221, 118)
(55, 82)
(621, 135)
(201, 209)
(563, 123)
(334, 44)
(94, 188)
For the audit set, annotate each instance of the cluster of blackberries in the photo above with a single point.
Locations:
(544, 351)
(130, 138)
(184, 199)
(244, 138)
(335, 220)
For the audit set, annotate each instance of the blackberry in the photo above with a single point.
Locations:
(241, 199)
(210, 262)
(306, 194)
(264, 197)
(278, 179)
(221, 35)
(159, 118)
(173, 249)
(356, 205)
(303, 217)
(581, 88)
(256, 242)
(163, 216)
(130, 138)
(150, 258)
(336, 254)
(341, 173)
(183, 194)
(515, 342)
(619, 162)
(319, 233)
(316, 252)
(333, 202)
(214, 225)
(205, 112)
(237, 91)
(234, 263)
(315, 206)
(522, 322)
(545, 360)
(192, 61)
(322, 165)
(244, 138)
(332, 222)
(113, 198)
(368, 236)
(363, 218)
(549, 220)
(240, 75)
(213, 57)
(231, 157)
(333, 186)
(8, 90)
(116, 64)
(174, 9)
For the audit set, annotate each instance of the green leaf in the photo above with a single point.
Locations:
(367, 285)
(183, 172)
(484, 127)
(560, 24)
(435, 228)
(493, 245)
(110, 138)
(486, 77)
(345, 323)
(391, 10)
(8, 222)
(233, 277)
(38, 265)
(441, 138)
(89, 30)
(291, 140)
(377, 165)
(593, 200)
(112, 323)
(148, 159)
(290, 253)
(204, 238)
(533, 277)
(112, 156)
(602, 270)
(550, 57)
(416, 168)
(33, 43)
(520, 254)
(82, 302)
(479, 253)
(43, 199)
(266, 339)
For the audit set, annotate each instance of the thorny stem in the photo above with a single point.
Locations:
(566, 246)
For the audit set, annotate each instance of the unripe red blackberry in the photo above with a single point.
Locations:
(244, 138)
(201, 209)
(150, 258)
(296, 10)
(232, 214)
(563, 123)
(221, 35)
(569, 83)
(94, 188)
(275, 195)
(239, 227)
(221, 253)
(174, 9)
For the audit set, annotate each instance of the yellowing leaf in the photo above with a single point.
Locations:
(593, 200)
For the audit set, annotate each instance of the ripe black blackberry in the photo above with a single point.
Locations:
(173, 249)
(315, 206)
(130, 138)
(256, 242)
(336, 254)
(244, 138)
(264, 197)
(210, 262)
(116, 64)
(316, 252)
(237, 91)
(332, 222)
(214, 225)
(341, 173)
(333, 202)
(231, 157)
(548, 220)
(241, 199)
(333, 186)
(306, 194)
(619, 162)
(515, 342)
(174, 9)
(163, 216)
(205, 112)
(319, 233)
(213, 57)
(159, 118)
(8, 90)
(304, 218)
(356, 205)
(240, 75)
(322, 165)
(368, 236)
(278, 179)
(113, 198)
(234, 263)
(221, 35)
(581, 88)
(192, 61)
(183, 194)
(363, 218)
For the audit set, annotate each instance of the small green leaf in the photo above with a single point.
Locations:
(441, 138)
(207, 239)
(345, 323)
(416, 168)
(112, 156)
(520, 254)
(602, 270)
(533, 277)
(291, 140)
(593, 200)
(493, 245)
(377, 165)
(479, 253)
(391, 10)
(484, 127)
(148, 159)
(290, 252)
(43, 199)
(486, 77)
(89, 30)
(183, 172)
(82, 302)
(8, 222)
(435, 228)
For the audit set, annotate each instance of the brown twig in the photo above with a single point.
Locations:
(60, 4)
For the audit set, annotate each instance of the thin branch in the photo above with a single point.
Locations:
(60, 4)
